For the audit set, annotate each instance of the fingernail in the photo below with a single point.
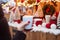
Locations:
(28, 21)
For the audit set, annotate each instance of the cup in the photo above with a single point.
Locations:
(30, 19)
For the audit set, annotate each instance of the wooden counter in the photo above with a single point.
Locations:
(38, 35)
(41, 36)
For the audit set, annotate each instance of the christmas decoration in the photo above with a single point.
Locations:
(22, 1)
(53, 26)
(37, 21)
(53, 20)
(38, 1)
(56, 14)
(44, 25)
(48, 9)
(58, 20)
(46, 30)
(48, 25)
(31, 1)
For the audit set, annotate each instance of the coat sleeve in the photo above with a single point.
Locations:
(4, 30)
(19, 36)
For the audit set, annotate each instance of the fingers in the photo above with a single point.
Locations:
(26, 23)
(23, 25)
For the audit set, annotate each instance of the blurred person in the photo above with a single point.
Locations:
(4, 29)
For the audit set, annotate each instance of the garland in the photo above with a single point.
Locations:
(48, 9)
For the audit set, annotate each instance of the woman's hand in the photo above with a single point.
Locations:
(22, 26)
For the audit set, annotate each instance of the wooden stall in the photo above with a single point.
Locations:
(41, 36)
(38, 35)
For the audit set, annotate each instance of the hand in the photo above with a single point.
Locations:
(22, 26)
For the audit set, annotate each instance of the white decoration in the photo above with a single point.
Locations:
(44, 25)
(34, 25)
(45, 30)
(53, 26)
(47, 17)
(39, 25)
(53, 17)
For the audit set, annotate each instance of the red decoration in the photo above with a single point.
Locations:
(19, 1)
(22, 1)
(53, 21)
(18, 21)
(14, 0)
(28, 21)
(48, 25)
(56, 14)
(38, 23)
(38, 1)
(41, 17)
(48, 9)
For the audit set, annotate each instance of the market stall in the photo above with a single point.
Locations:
(44, 17)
